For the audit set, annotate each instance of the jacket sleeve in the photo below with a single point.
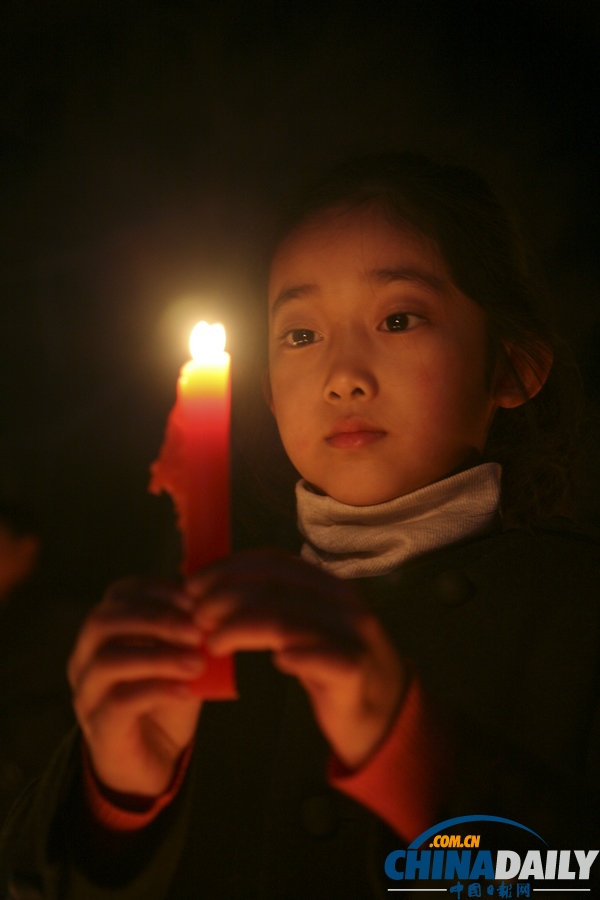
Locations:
(435, 766)
(402, 782)
(45, 840)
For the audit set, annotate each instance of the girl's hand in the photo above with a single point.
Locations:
(130, 674)
(318, 630)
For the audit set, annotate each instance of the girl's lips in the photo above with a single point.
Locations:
(354, 440)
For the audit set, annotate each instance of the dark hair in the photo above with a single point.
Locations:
(535, 442)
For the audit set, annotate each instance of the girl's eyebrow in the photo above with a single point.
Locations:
(291, 293)
(402, 273)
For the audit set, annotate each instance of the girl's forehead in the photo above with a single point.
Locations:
(344, 240)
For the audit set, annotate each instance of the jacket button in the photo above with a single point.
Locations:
(453, 588)
(319, 815)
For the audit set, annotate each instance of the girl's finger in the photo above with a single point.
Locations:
(121, 665)
(169, 626)
(318, 662)
(253, 629)
(290, 613)
(130, 702)
(144, 594)
(216, 609)
(256, 635)
(316, 665)
(129, 699)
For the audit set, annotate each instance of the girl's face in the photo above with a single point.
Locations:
(378, 363)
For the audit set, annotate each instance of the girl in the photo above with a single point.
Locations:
(442, 662)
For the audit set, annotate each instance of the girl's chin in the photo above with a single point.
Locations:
(365, 485)
(357, 491)
(354, 496)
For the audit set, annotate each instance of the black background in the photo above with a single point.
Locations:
(144, 146)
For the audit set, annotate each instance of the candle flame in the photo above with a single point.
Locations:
(207, 341)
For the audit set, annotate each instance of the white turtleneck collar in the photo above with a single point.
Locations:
(361, 541)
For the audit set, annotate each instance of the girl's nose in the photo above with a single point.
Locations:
(349, 379)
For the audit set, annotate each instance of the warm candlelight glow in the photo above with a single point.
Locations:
(193, 467)
(207, 341)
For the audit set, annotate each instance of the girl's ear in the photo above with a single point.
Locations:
(266, 388)
(521, 374)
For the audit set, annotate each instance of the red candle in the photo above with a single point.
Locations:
(193, 467)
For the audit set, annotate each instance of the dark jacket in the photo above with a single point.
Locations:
(37, 632)
(504, 635)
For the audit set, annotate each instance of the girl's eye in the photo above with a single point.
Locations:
(400, 322)
(301, 337)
